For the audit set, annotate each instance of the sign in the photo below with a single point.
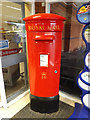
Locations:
(53, 27)
(87, 60)
(44, 60)
(86, 34)
(82, 85)
(83, 14)
(86, 100)
(4, 44)
(85, 77)
(9, 51)
(83, 80)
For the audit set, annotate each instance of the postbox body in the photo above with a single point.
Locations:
(44, 35)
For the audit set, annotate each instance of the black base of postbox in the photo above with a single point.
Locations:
(44, 104)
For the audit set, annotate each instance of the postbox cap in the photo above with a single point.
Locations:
(44, 16)
(44, 22)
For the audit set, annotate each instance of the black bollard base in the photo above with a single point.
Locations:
(44, 104)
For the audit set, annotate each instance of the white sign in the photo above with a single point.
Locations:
(87, 35)
(4, 44)
(83, 85)
(86, 76)
(86, 100)
(87, 60)
(44, 60)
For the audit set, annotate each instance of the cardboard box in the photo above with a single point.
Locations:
(11, 75)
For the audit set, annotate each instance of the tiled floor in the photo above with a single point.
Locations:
(20, 104)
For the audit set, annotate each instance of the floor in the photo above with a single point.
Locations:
(21, 103)
(22, 100)
(64, 111)
(14, 108)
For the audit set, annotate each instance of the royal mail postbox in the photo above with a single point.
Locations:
(44, 36)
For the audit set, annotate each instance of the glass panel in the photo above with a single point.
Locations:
(13, 46)
(73, 46)
(0, 97)
(14, 80)
(12, 26)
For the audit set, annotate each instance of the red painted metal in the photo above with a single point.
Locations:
(44, 35)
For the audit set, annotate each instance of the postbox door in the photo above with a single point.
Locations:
(45, 51)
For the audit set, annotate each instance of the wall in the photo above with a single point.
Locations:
(71, 37)
(76, 32)
(60, 9)
(39, 7)
(27, 9)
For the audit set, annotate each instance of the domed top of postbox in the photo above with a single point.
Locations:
(44, 22)
(44, 16)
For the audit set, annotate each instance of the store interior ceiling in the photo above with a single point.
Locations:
(11, 12)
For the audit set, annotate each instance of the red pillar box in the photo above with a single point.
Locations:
(44, 35)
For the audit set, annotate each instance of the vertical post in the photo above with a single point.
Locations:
(47, 8)
(24, 45)
(33, 8)
(2, 88)
(24, 39)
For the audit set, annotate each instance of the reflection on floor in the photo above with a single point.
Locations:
(11, 90)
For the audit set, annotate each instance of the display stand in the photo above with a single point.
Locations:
(83, 80)
(80, 111)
